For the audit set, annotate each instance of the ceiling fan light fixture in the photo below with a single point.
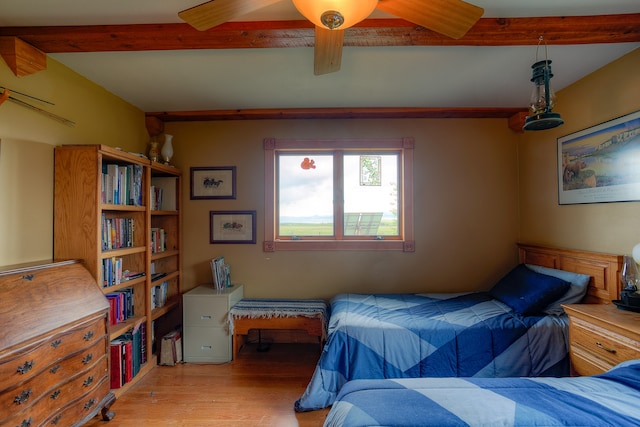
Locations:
(323, 13)
(332, 19)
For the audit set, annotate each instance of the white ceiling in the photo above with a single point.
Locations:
(227, 79)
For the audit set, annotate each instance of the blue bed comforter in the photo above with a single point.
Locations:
(611, 399)
(432, 335)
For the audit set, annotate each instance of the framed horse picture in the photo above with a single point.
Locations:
(213, 182)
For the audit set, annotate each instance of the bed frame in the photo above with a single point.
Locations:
(603, 268)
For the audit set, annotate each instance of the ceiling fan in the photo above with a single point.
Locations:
(452, 18)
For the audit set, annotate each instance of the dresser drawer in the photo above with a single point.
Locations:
(32, 390)
(30, 361)
(83, 407)
(42, 403)
(595, 349)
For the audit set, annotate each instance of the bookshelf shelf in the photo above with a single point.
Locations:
(112, 236)
(123, 251)
(159, 312)
(122, 327)
(165, 254)
(126, 208)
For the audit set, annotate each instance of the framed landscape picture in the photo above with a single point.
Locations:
(213, 182)
(601, 163)
(232, 227)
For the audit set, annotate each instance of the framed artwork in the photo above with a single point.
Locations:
(232, 227)
(601, 163)
(213, 182)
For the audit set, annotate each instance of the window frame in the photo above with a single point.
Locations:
(405, 242)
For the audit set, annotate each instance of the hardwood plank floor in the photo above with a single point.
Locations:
(257, 389)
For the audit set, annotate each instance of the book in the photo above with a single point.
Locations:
(221, 273)
(115, 349)
(166, 187)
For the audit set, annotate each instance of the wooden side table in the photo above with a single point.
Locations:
(601, 336)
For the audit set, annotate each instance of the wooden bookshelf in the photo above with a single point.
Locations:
(83, 205)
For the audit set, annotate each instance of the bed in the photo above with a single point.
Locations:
(609, 399)
(484, 334)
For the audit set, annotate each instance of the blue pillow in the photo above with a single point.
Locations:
(528, 292)
(577, 291)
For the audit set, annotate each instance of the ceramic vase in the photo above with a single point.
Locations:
(154, 151)
(167, 149)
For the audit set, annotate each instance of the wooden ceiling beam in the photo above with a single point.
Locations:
(21, 57)
(337, 113)
(284, 34)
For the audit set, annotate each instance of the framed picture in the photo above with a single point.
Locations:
(601, 163)
(213, 182)
(232, 227)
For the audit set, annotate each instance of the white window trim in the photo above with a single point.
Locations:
(406, 244)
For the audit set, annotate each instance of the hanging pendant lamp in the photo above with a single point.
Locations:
(542, 97)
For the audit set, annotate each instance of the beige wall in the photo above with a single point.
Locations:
(608, 93)
(465, 208)
(479, 187)
(27, 139)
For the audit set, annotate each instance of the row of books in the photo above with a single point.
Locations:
(128, 354)
(122, 185)
(156, 195)
(121, 305)
(158, 240)
(117, 233)
(159, 295)
(114, 274)
(221, 273)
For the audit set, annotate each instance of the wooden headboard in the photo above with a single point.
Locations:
(603, 268)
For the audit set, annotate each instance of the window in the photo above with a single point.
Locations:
(353, 194)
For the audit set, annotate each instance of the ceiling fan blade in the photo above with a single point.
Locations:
(328, 51)
(213, 13)
(453, 18)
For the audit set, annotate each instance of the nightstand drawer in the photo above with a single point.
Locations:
(602, 348)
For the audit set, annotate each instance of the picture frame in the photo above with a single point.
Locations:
(600, 164)
(213, 182)
(232, 227)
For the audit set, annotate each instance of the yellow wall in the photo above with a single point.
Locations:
(479, 187)
(465, 208)
(606, 94)
(27, 139)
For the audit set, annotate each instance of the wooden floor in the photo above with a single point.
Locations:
(257, 389)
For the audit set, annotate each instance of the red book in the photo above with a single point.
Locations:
(116, 364)
(128, 360)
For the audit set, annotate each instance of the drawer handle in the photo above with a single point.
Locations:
(88, 381)
(610, 350)
(56, 343)
(28, 277)
(88, 358)
(26, 423)
(25, 368)
(56, 420)
(54, 369)
(88, 336)
(55, 394)
(90, 403)
(205, 317)
(22, 397)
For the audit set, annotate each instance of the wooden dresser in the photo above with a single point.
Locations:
(601, 336)
(53, 346)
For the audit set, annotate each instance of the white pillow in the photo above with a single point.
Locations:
(577, 291)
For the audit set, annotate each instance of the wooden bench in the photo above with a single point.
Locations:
(309, 315)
